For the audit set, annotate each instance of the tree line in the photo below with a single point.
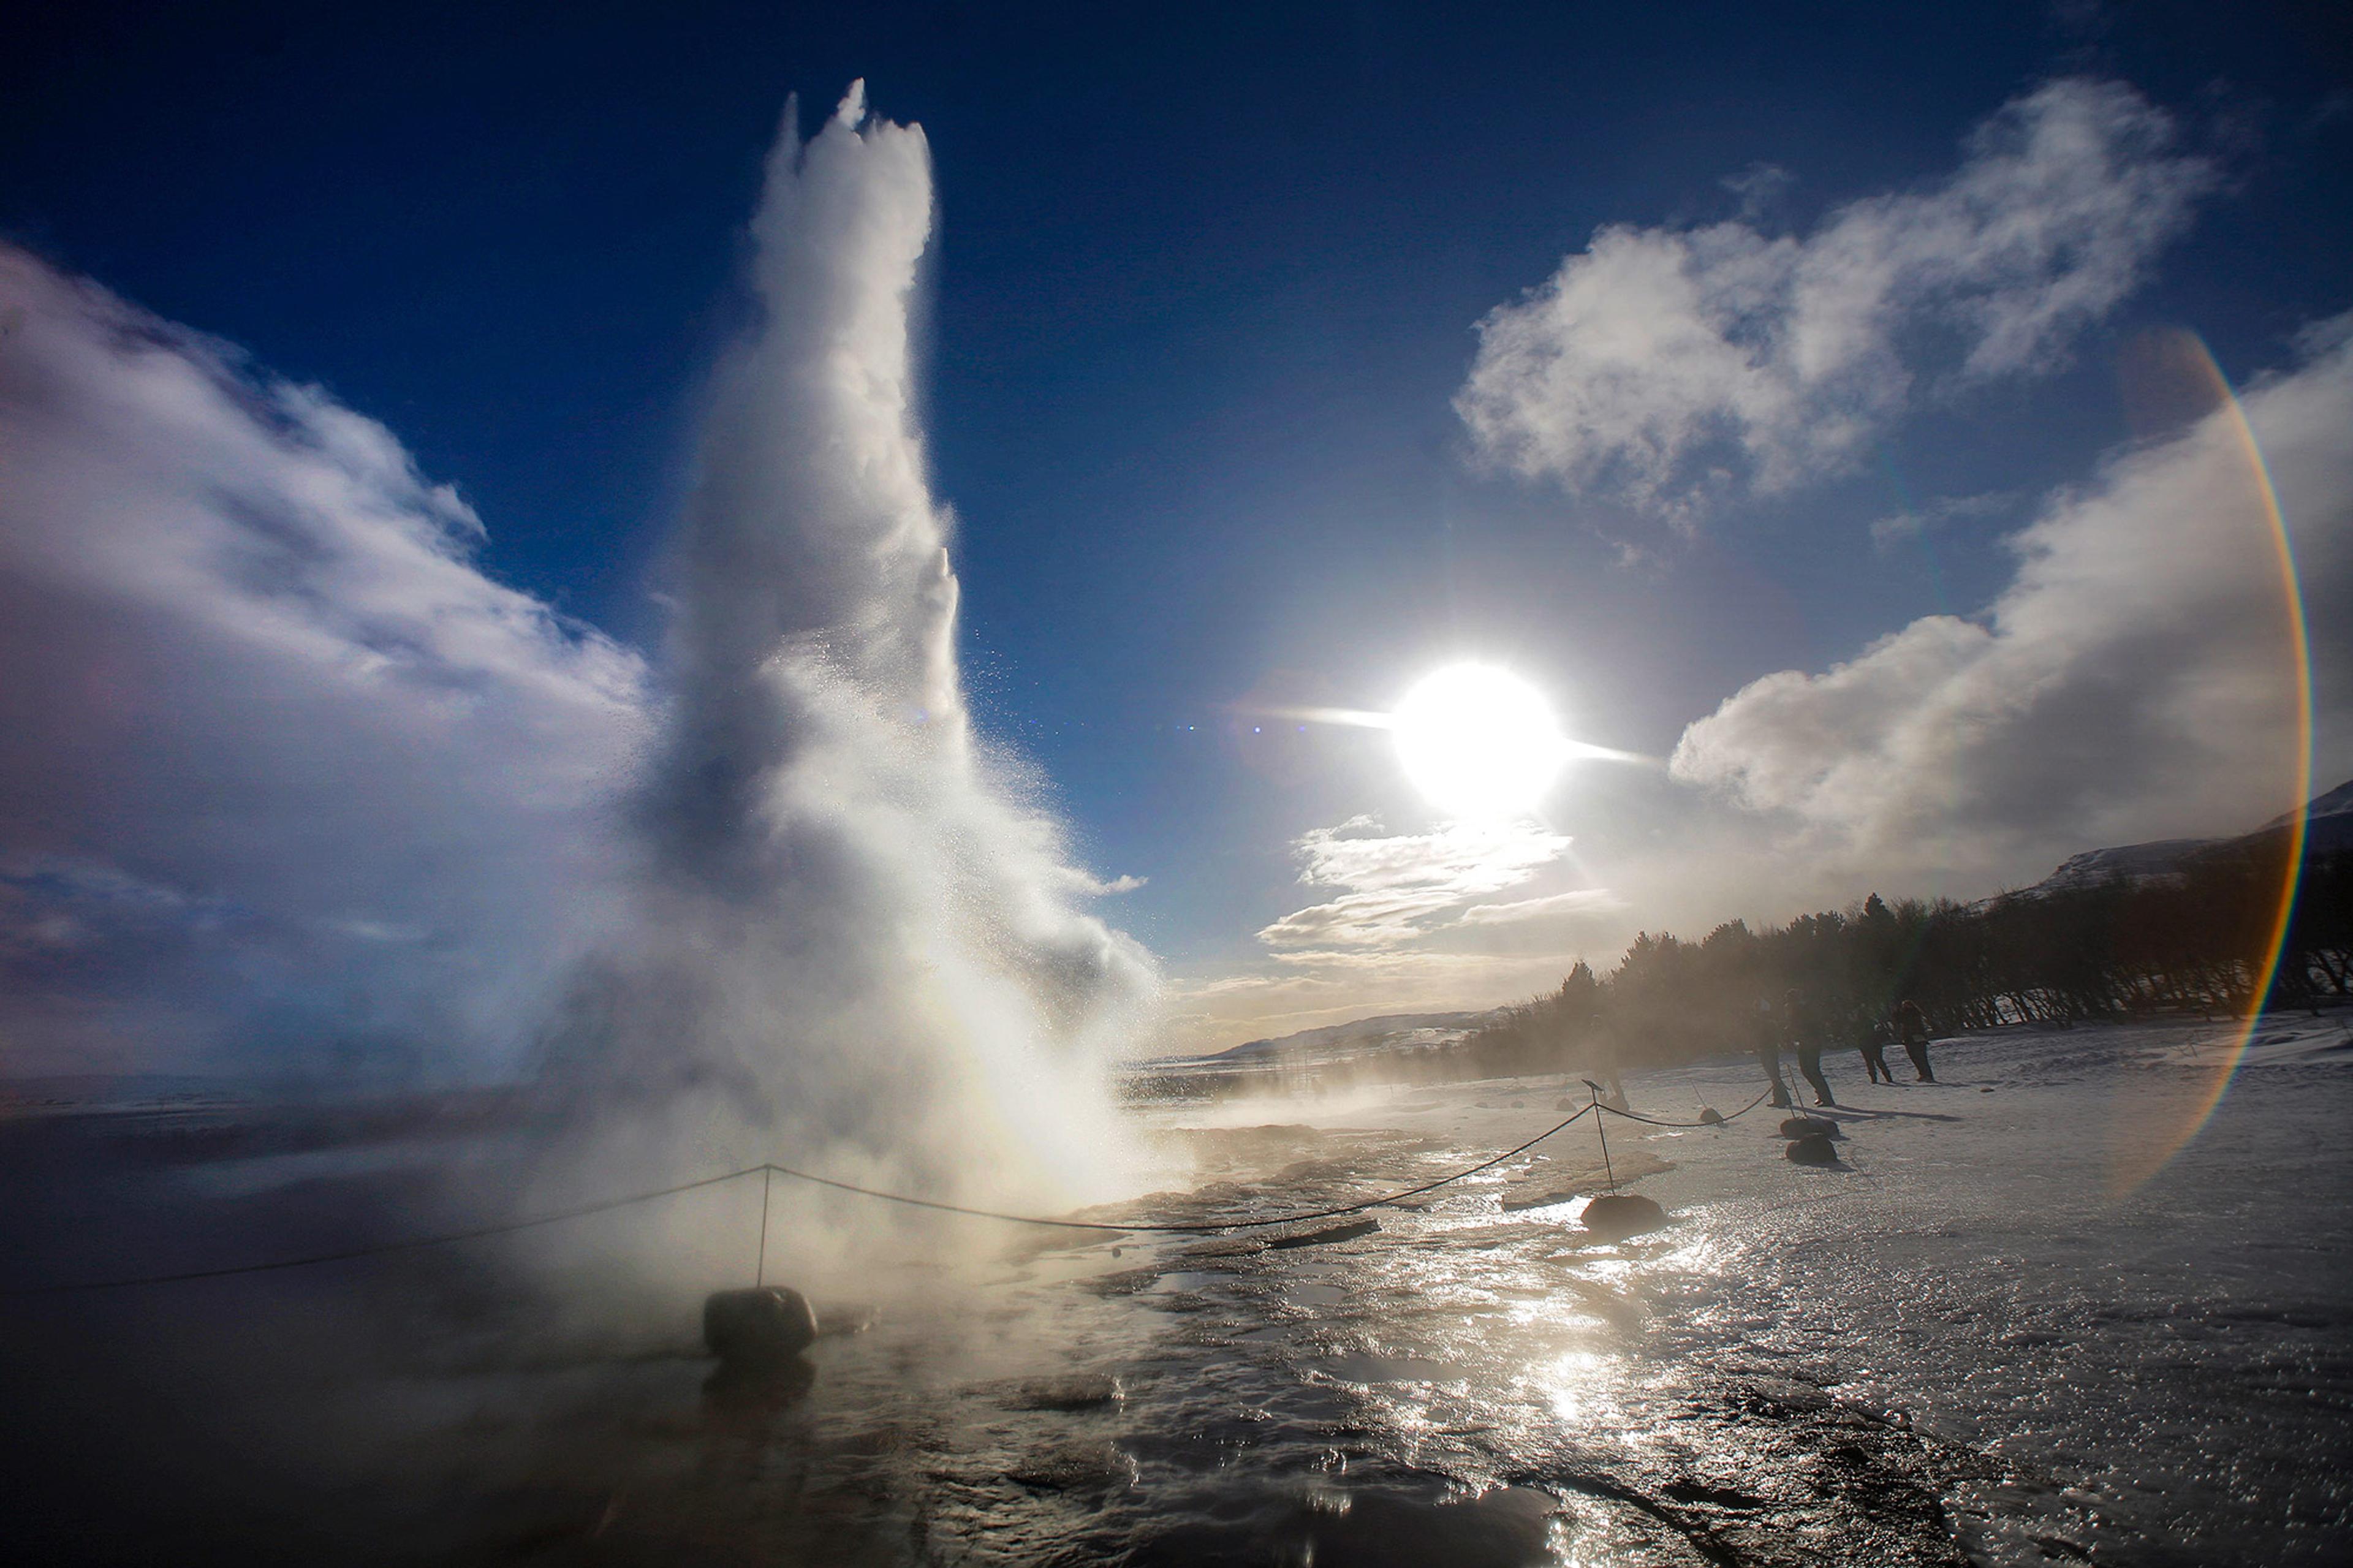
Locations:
(2193, 943)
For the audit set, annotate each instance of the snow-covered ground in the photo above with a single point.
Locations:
(2152, 1366)
(1988, 1334)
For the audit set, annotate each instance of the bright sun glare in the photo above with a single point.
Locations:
(1479, 741)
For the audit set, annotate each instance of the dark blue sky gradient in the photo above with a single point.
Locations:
(1204, 284)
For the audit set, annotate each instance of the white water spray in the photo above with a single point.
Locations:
(855, 948)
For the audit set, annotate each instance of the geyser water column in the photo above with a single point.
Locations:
(855, 946)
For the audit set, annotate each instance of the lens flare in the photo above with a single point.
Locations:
(2142, 1156)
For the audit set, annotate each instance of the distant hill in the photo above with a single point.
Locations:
(2328, 830)
(95, 1091)
(2328, 823)
(2124, 862)
(1390, 1031)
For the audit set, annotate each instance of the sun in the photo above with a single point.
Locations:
(1479, 741)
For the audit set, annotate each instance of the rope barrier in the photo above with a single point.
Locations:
(1205, 1227)
(1655, 1121)
(768, 1169)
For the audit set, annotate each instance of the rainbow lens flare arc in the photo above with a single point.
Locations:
(2141, 1157)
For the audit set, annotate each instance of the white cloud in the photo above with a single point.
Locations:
(1760, 186)
(1897, 528)
(1672, 366)
(1397, 882)
(1089, 885)
(284, 765)
(2134, 680)
(1525, 911)
(1414, 929)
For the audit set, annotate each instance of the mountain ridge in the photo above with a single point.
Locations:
(2328, 830)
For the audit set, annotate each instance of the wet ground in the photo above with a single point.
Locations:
(1958, 1345)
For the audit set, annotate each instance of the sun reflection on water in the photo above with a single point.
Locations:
(1579, 1387)
(1704, 1250)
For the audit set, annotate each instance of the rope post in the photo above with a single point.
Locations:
(1600, 1128)
(767, 1180)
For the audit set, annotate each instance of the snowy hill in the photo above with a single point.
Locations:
(1390, 1031)
(2126, 862)
(2328, 830)
(2328, 823)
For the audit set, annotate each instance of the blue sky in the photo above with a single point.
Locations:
(1200, 306)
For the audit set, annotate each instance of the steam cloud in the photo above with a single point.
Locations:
(289, 780)
(851, 946)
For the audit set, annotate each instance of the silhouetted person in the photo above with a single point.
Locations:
(1912, 1027)
(1805, 1035)
(1875, 1058)
(1613, 1092)
(1769, 1053)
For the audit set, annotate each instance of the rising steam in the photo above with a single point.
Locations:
(852, 946)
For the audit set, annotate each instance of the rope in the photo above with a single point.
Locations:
(1655, 1121)
(1205, 1228)
(769, 1168)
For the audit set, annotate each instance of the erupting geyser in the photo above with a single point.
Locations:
(852, 947)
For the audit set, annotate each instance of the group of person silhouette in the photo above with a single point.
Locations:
(1799, 1028)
